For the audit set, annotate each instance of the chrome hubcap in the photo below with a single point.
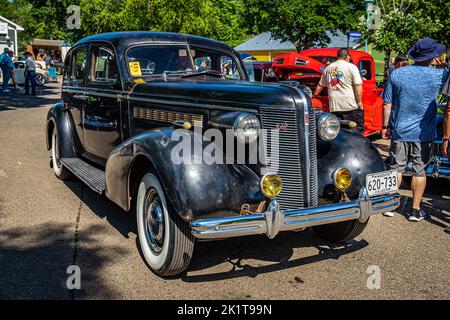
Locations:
(154, 221)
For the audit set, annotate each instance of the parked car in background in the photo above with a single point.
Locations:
(260, 71)
(307, 67)
(126, 94)
(439, 166)
(42, 75)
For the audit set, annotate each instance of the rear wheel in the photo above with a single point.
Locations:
(40, 79)
(60, 171)
(165, 239)
(340, 231)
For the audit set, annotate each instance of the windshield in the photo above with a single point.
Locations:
(176, 60)
(155, 60)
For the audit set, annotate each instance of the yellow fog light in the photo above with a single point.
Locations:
(271, 185)
(342, 179)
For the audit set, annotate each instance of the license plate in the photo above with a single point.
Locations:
(382, 183)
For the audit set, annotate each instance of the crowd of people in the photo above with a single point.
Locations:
(7, 67)
(409, 111)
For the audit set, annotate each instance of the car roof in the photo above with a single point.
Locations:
(126, 38)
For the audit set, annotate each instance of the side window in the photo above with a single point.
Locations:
(18, 65)
(104, 66)
(67, 68)
(205, 60)
(79, 64)
(365, 69)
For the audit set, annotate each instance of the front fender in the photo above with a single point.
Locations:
(349, 150)
(59, 118)
(194, 190)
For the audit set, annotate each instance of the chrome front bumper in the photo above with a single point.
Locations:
(275, 220)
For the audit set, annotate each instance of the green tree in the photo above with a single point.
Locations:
(401, 24)
(439, 12)
(303, 22)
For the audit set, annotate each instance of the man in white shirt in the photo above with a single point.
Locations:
(30, 73)
(344, 84)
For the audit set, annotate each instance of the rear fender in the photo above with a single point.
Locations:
(59, 118)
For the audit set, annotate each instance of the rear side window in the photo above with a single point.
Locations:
(79, 64)
(104, 66)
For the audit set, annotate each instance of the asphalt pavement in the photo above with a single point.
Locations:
(47, 225)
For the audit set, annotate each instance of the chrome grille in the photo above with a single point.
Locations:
(313, 183)
(289, 165)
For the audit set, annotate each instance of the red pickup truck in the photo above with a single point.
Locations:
(307, 67)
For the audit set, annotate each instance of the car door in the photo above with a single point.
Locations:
(370, 94)
(74, 83)
(102, 131)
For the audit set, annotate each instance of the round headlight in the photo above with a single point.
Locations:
(342, 179)
(328, 126)
(271, 185)
(246, 127)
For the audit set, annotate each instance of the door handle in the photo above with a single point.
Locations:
(100, 122)
(81, 97)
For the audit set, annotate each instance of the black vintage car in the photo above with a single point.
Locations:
(126, 95)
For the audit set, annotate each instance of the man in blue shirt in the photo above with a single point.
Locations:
(6, 64)
(409, 115)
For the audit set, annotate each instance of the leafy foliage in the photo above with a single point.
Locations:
(404, 22)
(304, 22)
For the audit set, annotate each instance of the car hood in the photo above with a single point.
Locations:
(230, 93)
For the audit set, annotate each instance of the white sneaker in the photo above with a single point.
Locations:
(389, 214)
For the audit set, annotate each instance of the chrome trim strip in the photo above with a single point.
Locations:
(124, 96)
(306, 120)
(275, 220)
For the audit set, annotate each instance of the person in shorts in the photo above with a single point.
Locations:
(409, 116)
(446, 133)
(344, 83)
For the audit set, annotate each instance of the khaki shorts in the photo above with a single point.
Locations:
(417, 153)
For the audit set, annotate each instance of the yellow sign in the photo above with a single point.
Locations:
(135, 68)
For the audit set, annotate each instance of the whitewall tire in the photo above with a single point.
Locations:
(165, 239)
(60, 171)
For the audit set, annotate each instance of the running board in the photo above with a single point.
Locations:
(94, 178)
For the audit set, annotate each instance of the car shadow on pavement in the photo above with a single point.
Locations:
(34, 262)
(122, 221)
(16, 99)
(438, 207)
(436, 202)
(260, 248)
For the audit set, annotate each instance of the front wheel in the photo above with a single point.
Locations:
(165, 239)
(340, 231)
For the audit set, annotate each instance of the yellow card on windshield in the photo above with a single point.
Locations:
(135, 68)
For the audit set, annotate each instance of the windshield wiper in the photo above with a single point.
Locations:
(203, 73)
